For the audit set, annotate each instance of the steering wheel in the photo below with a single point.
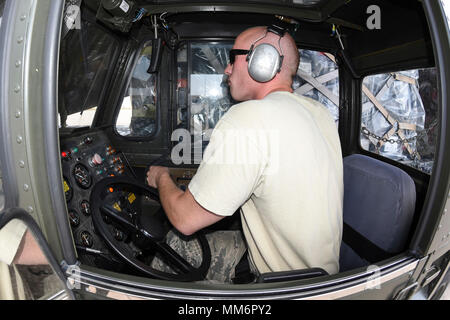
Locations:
(136, 236)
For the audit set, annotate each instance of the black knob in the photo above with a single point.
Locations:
(88, 140)
(119, 8)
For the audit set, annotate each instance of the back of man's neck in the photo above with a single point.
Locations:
(263, 93)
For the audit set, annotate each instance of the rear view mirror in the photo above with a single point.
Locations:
(157, 49)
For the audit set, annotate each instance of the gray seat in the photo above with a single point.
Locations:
(379, 203)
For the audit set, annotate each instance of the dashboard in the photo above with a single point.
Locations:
(86, 159)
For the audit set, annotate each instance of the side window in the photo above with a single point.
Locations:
(400, 116)
(85, 57)
(318, 78)
(138, 113)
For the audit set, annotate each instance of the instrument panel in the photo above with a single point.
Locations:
(87, 159)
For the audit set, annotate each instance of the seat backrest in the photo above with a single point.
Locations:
(379, 203)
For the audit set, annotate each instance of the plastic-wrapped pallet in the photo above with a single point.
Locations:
(397, 117)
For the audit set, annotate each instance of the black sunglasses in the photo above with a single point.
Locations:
(236, 52)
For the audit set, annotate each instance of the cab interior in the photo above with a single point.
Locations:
(147, 88)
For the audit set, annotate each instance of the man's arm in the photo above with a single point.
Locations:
(18, 245)
(185, 214)
(29, 252)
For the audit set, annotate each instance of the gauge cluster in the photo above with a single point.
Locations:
(87, 159)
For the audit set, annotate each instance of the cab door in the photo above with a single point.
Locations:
(31, 198)
(432, 239)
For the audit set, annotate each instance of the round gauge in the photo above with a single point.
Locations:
(85, 208)
(82, 176)
(74, 218)
(86, 239)
(67, 189)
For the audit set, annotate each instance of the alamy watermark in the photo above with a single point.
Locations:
(374, 20)
(246, 147)
(374, 280)
(72, 18)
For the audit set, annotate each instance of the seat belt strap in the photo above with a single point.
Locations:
(363, 247)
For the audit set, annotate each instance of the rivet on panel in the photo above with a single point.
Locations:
(22, 164)
(18, 114)
(30, 209)
(19, 139)
(17, 89)
(23, 17)
(26, 187)
(20, 40)
(18, 63)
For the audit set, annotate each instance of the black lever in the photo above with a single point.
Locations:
(113, 213)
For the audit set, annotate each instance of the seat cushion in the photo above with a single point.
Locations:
(379, 203)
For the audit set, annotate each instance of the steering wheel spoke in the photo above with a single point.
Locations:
(174, 257)
(114, 214)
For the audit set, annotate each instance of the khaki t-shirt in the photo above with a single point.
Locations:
(279, 159)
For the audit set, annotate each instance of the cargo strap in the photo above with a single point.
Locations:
(318, 82)
(396, 126)
(319, 86)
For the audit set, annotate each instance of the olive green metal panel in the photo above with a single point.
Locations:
(26, 48)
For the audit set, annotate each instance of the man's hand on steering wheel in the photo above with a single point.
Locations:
(154, 173)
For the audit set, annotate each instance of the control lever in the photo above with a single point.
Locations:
(157, 161)
(129, 166)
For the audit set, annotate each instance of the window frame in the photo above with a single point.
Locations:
(134, 58)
